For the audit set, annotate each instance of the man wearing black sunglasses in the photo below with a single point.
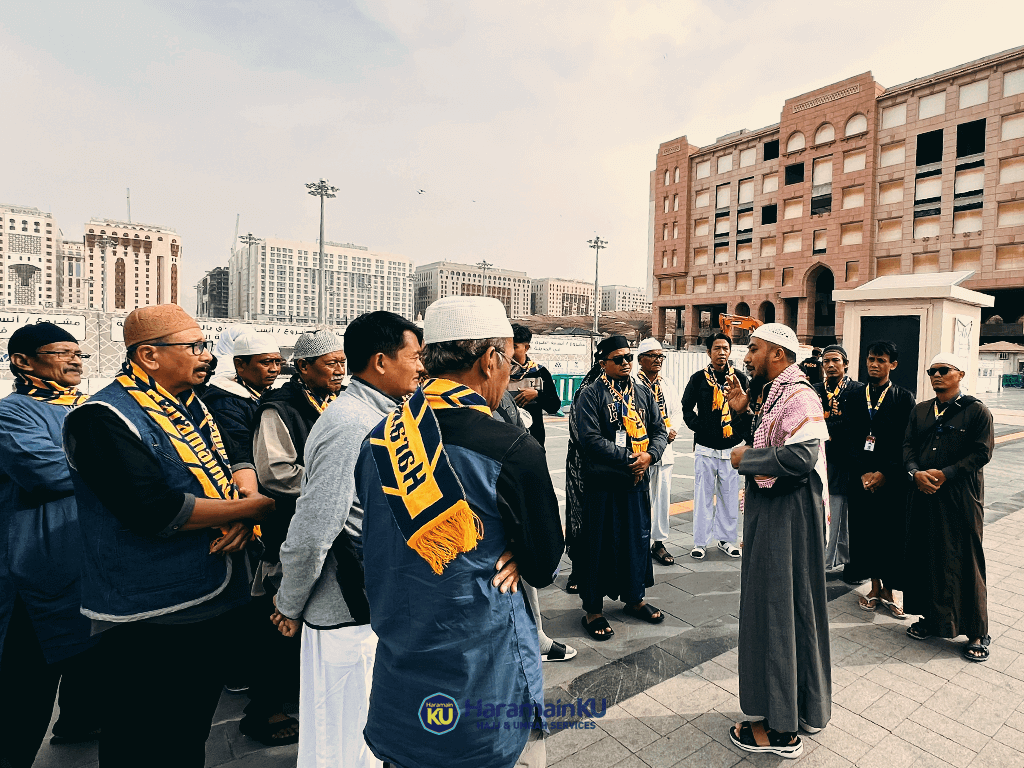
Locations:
(949, 439)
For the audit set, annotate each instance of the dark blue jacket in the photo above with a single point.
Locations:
(40, 544)
(234, 410)
(128, 576)
(455, 633)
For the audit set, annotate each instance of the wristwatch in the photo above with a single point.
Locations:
(912, 473)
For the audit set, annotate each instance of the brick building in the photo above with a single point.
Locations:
(855, 181)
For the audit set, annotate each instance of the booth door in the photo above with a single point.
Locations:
(905, 332)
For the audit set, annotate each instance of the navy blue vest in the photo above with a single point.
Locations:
(130, 577)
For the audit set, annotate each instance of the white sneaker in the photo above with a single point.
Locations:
(697, 553)
(729, 549)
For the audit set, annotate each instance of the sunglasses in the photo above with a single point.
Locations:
(620, 359)
(941, 371)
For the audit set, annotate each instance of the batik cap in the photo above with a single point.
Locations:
(948, 358)
(316, 343)
(465, 317)
(648, 345)
(255, 344)
(779, 334)
(154, 322)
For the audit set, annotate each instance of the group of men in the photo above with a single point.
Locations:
(377, 550)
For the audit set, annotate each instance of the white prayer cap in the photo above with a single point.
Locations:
(779, 334)
(465, 317)
(226, 343)
(255, 344)
(648, 345)
(948, 358)
(317, 343)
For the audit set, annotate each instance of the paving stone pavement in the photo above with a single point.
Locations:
(672, 689)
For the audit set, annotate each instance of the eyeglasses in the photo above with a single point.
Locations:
(653, 357)
(66, 357)
(197, 347)
(941, 371)
(620, 359)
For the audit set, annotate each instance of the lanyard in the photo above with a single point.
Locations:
(935, 406)
(881, 397)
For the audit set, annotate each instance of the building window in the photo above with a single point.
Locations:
(890, 230)
(744, 252)
(1011, 214)
(851, 234)
(766, 278)
(722, 254)
(771, 149)
(666, 177)
(745, 222)
(700, 285)
(852, 271)
(701, 227)
(666, 203)
(702, 199)
(770, 183)
(769, 214)
(926, 226)
(664, 232)
(721, 225)
(700, 256)
(793, 208)
(894, 116)
(791, 242)
(854, 161)
(767, 247)
(725, 163)
(970, 182)
(1011, 170)
(703, 169)
(748, 156)
(930, 106)
(1010, 257)
(892, 154)
(1013, 83)
(928, 189)
(794, 173)
(825, 134)
(929, 147)
(675, 230)
(787, 276)
(819, 242)
(970, 138)
(887, 265)
(675, 202)
(853, 197)
(676, 174)
(795, 142)
(746, 191)
(890, 192)
(967, 221)
(973, 94)
(722, 196)
(856, 124)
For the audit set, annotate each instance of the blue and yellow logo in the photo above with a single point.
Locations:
(439, 713)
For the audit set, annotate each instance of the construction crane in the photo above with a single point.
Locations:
(731, 323)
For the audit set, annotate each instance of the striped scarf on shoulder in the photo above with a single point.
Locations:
(659, 394)
(46, 391)
(626, 405)
(833, 397)
(718, 401)
(189, 427)
(426, 497)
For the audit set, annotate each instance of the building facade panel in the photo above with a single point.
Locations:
(561, 298)
(447, 278)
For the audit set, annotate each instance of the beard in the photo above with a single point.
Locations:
(757, 385)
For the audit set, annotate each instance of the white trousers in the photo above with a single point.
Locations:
(713, 475)
(533, 598)
(336, 668)
(661, 497)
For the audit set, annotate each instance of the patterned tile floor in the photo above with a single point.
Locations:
(671, 689)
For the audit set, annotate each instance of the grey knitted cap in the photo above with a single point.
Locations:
(316, 343)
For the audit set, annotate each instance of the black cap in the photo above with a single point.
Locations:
(610, 345)
(27, 339)
(836, 348)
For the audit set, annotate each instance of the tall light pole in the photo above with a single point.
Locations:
(249, 241)
(597, 244)
(485, 265)
(322, 190)
(102, 243)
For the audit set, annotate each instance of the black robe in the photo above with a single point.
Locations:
(611, 555)
(945, 580)
(878, 520)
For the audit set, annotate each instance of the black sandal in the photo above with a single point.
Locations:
(262, 730)
(919, 630)
(645, 613)
(755, 737)
(661, 554)
(572, 587)
(980, 648)
(599, 623)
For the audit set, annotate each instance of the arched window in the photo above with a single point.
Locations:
(159, 238)
(667, 177)
(856, 124)
(796, 141)
(825, 134)
(119, 284)
(677, 174)
(92, 231)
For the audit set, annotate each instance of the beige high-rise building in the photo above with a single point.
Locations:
(276, 279)
(30, 251)
(624, 298)
(448, 278)
(555, 297)
(129, 265)
(72, 291)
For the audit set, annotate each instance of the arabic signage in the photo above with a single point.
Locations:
(562, 354)
(285, 333)
(12, 321)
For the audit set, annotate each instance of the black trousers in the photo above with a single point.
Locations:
(162, 683)
(30, 686)
(274, 675)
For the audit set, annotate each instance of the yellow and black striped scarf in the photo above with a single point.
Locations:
(530, 368)
(426, 497)
(316, 402)
(655, 387)
(253, 394)
(833, 397)
(200, 449)
(718, 401)
(46, 391)
(635, 427)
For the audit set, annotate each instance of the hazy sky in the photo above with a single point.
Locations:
(530, 126)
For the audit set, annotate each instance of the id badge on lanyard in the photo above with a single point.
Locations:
(869, 443)
(620, 438)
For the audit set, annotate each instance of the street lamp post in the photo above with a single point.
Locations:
(102, 243)
(322, 190)
(485, 265)
(597, 244)
(249, 240)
